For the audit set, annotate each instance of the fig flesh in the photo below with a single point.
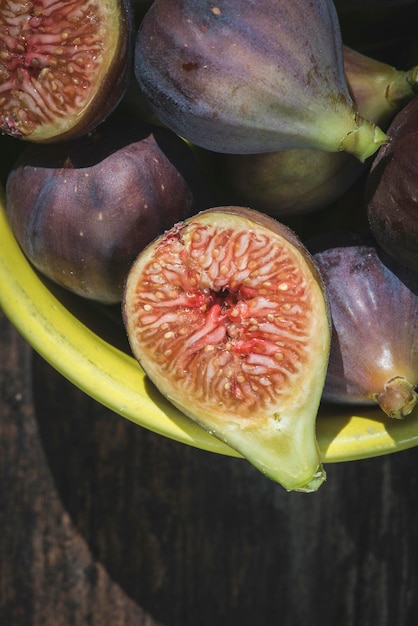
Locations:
(82, 210)
(374, 312)
(392, 189)
(245, 76)
(64, 67)
(226, 314)
(300, 181)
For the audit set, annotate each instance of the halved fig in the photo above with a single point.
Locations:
(227, 315)
(64, 66)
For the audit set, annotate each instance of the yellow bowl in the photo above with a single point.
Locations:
(85, 343)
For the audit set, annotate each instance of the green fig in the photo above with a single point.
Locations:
(247, 76)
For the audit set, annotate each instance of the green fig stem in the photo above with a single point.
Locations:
(398, 398)
(379, 90)
(412, 79)
(403, 88)
(363, 141)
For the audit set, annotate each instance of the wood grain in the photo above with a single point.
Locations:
(105, 523)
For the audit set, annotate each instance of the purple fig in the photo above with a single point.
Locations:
(392, 189)
(374, 313)
(82, 210)
(248, 76)
(64, 66)
(301, 181)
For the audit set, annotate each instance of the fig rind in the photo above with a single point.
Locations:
(240, 352)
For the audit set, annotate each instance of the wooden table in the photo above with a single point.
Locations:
(105, 523)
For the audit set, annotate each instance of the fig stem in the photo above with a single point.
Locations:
(411, 79)
(364, 140)
(398, 398)
(402, 88)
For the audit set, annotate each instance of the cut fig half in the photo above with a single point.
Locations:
(227, 315)
(64, 66)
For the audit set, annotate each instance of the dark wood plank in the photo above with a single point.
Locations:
(103, 522)
(48, 574)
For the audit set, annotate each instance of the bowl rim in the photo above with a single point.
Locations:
(115, 379)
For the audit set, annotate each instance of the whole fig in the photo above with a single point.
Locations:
(304, 180)
(82, 210)
(392, 189)
(247, 76)
(374, 314)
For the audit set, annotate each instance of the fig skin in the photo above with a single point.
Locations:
(82, 210)
(64, 69)
(250, 77)
(297, 182)
(355, 5)
(374, 312)
(208, 308)
(392, 189)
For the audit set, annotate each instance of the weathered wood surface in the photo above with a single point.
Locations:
(104, 523)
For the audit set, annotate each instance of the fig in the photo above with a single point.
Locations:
(227, 315)
(392, 189)
(82, 210)
(64, 66)
(289, 182)
(305, 180)
(244, 76)
(374, 312)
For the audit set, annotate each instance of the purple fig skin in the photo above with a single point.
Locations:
(246, 76)
(355, 5)
(296, 182)
(374, 313)
(392, 189)
(83, 210)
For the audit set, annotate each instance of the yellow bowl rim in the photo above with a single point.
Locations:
(115, 379)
